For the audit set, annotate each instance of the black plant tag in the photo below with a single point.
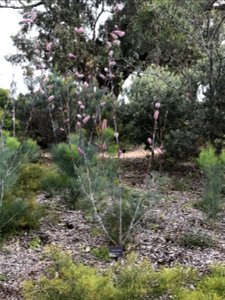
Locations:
(115, 252)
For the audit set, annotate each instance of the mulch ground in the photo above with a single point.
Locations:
(173, 232)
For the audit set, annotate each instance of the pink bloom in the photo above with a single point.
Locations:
(102, 76)
(51, 98)
(149, 140)
(114, 36)
(45, 79)
(27, 21)
(118, 7)
(104, 124)
(104, 146)
(82, 107)
(79, 75)
(111, 76)
(111, 53)
(67, 121)
(157, 105)
(158, 151)
(80, 151)
(71, 55)
(156, 115)
(106, 70)
(108, 45)
(116, 43)
(86, 84)
(112, 63)
(61, 129)
(86, 119)
(119, 33)
(51, 86)
(78, 125)
(48, 46)
(79, 30)
(79, 116)
(80, 103)
(120, 152)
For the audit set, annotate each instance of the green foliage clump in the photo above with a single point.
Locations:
(196, 240)
(20, 208)
(213, 169)
(175, 118)
(101, 253)
(19, 183)
(66, 280)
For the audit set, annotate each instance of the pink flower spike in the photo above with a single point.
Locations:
(26, 21)
(51, 98)
(86, 85)
(62, 129)
(86, 119)
(41, 91)
(82, 107)
(157, 105)
(106, 70)
(108, 45)
(79, 75)
(158, 151)
(45, 79)
(119, 33)
(118, 7)
(149, 140)
(104, 124)
(79, 30)
(78, 125)
(112, 63)
(67, 121)
(71, 55)
(111, 53)
(156, 115)
(120, 152)
(48, 46)
(116, 43)
(102, 76)
(80, 151)
(79, 116)
(80, 103)
(111, 76)
(114, 36)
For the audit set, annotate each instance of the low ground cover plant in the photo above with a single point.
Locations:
(132, 280)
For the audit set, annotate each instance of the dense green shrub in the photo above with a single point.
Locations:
(66, 280)
(175, 124)
(213, 168)
(196, 240)
(19, 184)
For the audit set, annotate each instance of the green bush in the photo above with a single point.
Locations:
(19, 206)
(213, 169)
(66, 280)
(175, 128)
(19, 183)
(196, 240)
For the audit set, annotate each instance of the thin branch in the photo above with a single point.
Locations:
(22, 6)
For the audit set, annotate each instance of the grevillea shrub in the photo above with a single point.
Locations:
(17, 205)
(213, 166)
(66, 280)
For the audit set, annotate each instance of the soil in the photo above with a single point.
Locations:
(173, 232)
